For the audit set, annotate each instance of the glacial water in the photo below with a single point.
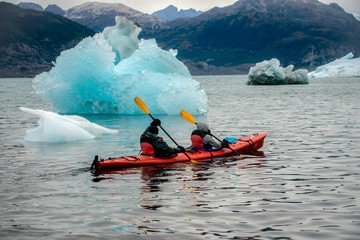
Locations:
(306, 186)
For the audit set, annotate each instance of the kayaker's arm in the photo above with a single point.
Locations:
(208, 140)
(163, 147)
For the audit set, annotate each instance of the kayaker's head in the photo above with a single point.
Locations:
(153, 129)
(156, 122)
(203, 127)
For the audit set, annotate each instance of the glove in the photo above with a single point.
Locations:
(209, 132)
(181, 148)
(225, 144)
(156, 122)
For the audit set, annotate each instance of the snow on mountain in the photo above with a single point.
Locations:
(97, 15)
(357, 16)
(171, 13)
(96, 8)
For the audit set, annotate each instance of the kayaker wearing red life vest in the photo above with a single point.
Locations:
(201, 139)
(153, 145)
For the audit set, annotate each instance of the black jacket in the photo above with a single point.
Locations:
(161, 149)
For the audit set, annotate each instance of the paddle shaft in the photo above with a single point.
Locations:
(165, 131)
(171, 138)
(145, 109)
(221, 141)
(188, 117)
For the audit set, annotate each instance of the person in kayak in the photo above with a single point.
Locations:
(153, 145)
(201, 139)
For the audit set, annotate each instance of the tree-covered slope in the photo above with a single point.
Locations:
(30, 40)
(305, 33)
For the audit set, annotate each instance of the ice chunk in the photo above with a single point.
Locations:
(57, 128)
(103, 74)
(123, 38)
(271, 73)
(346, 66)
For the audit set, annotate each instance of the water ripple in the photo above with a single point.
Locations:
(304, 185)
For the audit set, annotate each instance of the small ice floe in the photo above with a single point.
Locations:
(57, 128)
(271, 73)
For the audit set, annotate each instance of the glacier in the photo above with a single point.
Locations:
(103, 74)
(53, 127)
(271, 73)
(344, 67)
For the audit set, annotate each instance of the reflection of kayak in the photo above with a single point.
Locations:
(242, 145)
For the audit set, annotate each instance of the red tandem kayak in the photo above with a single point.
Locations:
(242, 145)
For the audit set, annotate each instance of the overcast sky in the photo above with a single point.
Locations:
(150, 6)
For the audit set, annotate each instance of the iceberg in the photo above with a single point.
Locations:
(57, 128)
(345, 67)
(103, 74)
(271, 73)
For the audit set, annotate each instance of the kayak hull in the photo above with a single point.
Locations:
(242, 146)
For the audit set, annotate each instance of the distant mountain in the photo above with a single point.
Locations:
(53, 8)
(306, 33)
(97, 15)
(30, 5)
(171, 13)
(228, 40)
(31, 40)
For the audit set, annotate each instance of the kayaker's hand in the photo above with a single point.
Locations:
(155, 122)
(225, 144)
(181, 148)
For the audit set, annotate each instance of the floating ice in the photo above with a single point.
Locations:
(346, 66)
(103, 74)
(270, 73)
(57, 128)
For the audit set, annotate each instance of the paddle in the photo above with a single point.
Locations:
(144, 108)
(188, 117)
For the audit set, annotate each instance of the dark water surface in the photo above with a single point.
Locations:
(305, 187)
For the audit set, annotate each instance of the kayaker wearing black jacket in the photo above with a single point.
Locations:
(159, 147)
(201, 139)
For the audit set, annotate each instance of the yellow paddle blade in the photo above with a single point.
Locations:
(193, 161)
(141, 105)
(187, 116)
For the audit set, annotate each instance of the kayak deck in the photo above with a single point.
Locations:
(242, 145)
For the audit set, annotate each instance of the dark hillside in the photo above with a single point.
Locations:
(305, 33)
(31, 40)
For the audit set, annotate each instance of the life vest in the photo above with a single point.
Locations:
(146, 143)
(197, 140)
(147, 149)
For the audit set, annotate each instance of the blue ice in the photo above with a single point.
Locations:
(103, 74)
(53, 127)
